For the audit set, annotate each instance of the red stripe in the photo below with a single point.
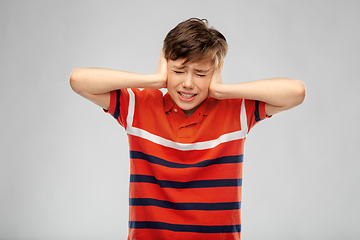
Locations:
(151, 213)
(154, 234)
(211, 195)
(219, 171)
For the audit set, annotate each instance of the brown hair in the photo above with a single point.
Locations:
(194, 41)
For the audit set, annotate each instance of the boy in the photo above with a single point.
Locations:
(186, 147)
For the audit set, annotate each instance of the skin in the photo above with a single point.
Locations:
(188, 84)
(199, 78)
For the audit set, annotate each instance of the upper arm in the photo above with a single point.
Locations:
(271, 110)
(102, 100)
(292, 96)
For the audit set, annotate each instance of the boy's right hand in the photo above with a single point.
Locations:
(216, 82)
(162, 71)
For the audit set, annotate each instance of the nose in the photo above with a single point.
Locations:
(188, 81)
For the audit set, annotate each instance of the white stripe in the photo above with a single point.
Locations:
(130, 116)
(184, 146)
(243, 118)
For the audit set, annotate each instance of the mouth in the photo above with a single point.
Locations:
(187, 97)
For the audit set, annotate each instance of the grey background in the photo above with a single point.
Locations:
(64, 163)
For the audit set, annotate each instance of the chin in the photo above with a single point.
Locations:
(186, 108)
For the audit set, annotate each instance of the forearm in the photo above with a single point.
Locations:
(279, 92)
(99, 80)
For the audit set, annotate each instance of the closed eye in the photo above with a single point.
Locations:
(177, 72)
(201, 75)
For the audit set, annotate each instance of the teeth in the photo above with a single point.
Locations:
(187, 95)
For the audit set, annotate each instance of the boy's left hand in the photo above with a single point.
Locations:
(161, 71)
(216, 81)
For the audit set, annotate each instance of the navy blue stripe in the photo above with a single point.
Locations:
(205, 163)
(190, 184)
(256, 112)
(117, 108)
(185, 228)
(185, 206)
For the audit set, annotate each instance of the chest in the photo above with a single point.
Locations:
(176, 126)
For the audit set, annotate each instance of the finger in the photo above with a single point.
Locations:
(221, 65)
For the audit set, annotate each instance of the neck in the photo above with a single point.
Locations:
(190, 111)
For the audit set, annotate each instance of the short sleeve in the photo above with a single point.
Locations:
(255, 112)
(114, 107)
(119, 100)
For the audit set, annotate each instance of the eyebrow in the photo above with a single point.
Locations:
(202, 71)
(180, 67)
(196, 70)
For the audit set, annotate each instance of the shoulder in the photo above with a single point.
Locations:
(146, 93)
(140, 94)
(234, 107)
(224, 108)
(226, 105)
(145, 98)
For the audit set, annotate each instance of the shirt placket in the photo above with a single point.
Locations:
(187, 129)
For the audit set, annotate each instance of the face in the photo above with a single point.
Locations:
(188, 84)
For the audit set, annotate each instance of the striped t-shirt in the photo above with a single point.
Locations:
(185, 172)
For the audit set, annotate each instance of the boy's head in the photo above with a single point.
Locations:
(193, 40)
(193, 51)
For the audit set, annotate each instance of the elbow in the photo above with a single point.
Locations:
(298, 93)
(75, 80)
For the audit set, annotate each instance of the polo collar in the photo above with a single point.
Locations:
(168, 103)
